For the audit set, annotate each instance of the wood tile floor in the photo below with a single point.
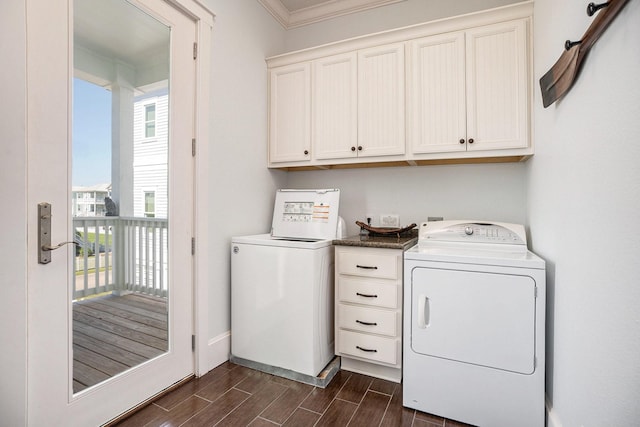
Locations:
(232, 395)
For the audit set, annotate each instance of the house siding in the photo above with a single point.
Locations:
(150, 167)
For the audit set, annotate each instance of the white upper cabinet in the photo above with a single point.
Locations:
(335, 94)
(468, 90)
(437, 113)
(290, 114)
(381, 101)
(497, 89)
(456, 90)
(358, 104)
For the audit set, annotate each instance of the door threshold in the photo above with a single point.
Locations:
(148, 401)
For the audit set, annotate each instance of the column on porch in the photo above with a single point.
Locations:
(122, 94)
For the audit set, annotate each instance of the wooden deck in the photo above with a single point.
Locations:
(114, 333)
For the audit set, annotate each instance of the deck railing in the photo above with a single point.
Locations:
(120, 255)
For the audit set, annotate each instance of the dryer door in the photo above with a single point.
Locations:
(482, 318)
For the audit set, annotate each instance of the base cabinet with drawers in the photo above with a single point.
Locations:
(368, 311)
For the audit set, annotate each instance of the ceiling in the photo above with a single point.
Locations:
(111, 36)
(296, 13)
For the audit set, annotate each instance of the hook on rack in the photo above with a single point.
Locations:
(592, 8)
(569, 44)
(559, 79)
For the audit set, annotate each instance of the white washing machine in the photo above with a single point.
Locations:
(282, 287)
(474, 325)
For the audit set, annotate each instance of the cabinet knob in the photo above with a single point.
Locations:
(470, 140)
(353, 148)
(461, 141)
(306, 152)
(359, 147)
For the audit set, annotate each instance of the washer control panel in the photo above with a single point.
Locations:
(500, 233)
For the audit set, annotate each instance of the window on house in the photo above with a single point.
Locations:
(150, 121)
(149, 204)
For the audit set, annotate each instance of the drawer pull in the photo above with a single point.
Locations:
(366, 323)
(368, 350)
(366, 296)
(367, 267)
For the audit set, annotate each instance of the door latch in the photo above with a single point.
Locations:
(44, 234)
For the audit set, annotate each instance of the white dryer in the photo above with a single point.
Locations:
(474, 324)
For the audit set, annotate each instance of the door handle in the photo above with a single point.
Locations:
(44, 234)
(423, 312)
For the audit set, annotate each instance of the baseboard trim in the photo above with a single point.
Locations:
(217, 352)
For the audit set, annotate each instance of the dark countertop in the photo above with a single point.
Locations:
(377, 241)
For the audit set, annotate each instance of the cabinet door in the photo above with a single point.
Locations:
(436, 95)
(497, 86)
(290, 113)
(381, 101)
(335, 94)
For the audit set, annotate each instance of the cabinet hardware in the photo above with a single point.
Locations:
(471, 141)
(461, 141)
(368, 350)
(306, 152)
(359, 147)
(367, 267)
(366, 323)
(366, 296)
(353, 148)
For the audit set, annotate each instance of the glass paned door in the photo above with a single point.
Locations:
(110, 318)
(120, 149)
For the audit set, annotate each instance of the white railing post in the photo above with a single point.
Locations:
(119, 261)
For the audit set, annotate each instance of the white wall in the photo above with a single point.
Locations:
(491, 192)
(408, 12)
(485, 192)
(584, 198)
(13, 261)
(241, 188)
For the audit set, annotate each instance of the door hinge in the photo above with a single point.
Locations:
(193, 343)
(193, 246)
(193, 147)
(195, 50)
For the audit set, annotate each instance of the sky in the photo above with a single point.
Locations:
(91, 162)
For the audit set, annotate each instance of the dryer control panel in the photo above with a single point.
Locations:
(465, 231)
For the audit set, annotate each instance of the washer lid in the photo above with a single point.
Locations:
(267, 240)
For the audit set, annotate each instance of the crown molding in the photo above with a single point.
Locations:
(327, 10)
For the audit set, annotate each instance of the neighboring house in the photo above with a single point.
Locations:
(89, 201)
(150, 153)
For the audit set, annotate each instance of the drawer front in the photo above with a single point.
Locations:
(367, 346)
(375, 321)
(370, 263)
(364, 292)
